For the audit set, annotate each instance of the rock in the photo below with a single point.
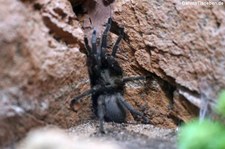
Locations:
(183, 44)
(37, 67)
(117, 136)
(42, 60)
(55, 138)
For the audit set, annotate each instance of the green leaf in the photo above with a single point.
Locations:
(220, 107)
(202, 135)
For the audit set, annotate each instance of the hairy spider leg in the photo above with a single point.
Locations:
(87, 47)
(131, 108)
(101, 112)
(104, 37)
(95, 57)
(93, 42)
(127, 79)
(103, 88)
(116, 45)
(79, 97)
(90, 22)
(93, 90)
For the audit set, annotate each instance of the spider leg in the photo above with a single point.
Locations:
(86, 93)
(93, 42)
(105, 88)
(116, 46)
(105, 34)
(77, 98)
(127, 79)
(95, 53)
(101, 113)
(131, 108)
(89, 92)
(88, 48)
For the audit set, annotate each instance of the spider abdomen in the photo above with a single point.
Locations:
(114, 110)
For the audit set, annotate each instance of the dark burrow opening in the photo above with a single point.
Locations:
(82, 7)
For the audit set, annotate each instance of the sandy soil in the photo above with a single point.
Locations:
(129, 136)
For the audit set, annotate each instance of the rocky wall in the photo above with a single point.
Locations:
(42, 63)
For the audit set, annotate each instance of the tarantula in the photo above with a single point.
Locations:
(107, 81)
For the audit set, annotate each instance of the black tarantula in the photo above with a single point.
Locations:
(107, 81)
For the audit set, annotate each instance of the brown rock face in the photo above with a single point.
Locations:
(184, 43)
(42, 66)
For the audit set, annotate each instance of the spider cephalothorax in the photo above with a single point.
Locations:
(107, 81)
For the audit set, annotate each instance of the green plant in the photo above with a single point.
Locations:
(206, 134)
(220, 107)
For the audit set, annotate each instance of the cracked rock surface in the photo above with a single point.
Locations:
(182, 44)
(42, 64)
